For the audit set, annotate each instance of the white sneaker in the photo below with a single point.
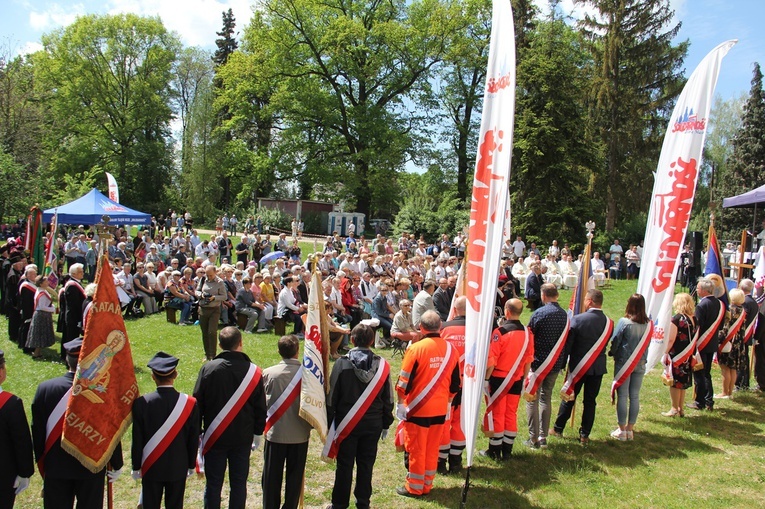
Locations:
(630, 435)
(619, 435)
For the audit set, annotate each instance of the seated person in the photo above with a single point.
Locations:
(402, 328)
(381, 312)
(521, 272)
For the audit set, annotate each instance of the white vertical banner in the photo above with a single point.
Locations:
(673, 192)
(114, 192)
(313, 401)
(487, 212)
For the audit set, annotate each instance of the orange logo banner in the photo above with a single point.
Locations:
(99, 409)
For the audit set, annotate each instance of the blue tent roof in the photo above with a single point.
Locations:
(90, 208)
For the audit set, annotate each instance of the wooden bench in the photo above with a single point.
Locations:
(171, 313)
(280, 326)
(241, 320)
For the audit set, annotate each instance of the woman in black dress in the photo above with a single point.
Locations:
(681, 332)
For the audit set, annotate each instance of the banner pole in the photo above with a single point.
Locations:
(465, 489)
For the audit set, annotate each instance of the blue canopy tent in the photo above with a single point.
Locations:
(90, 209)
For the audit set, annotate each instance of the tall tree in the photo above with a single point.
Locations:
(746, 168)
(107, 84)
(344, 70)
(637, 76)
(193, 73)
(227, 45)
(554, 149)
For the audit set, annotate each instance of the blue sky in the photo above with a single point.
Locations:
(705, 22)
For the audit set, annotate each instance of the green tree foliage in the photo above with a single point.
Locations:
(15, 199)
(724, 122)
(227, 45)
(107, 89)
(554, 147)
(463, 74)
(637, 76)
(746, 168)
(21, 116)
(343, 71)
(429, 205)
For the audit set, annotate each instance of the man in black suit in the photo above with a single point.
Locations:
(752, 310)
(586, 328)
(17, 466)
(533, 286)
(217, 385)
(707, 313)
(18, 262)
(74, 296)
(441, 299)
(64, 477)
(166, 465)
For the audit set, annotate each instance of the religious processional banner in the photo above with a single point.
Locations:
(715, 263)
(585, 282)
(313, 386)
(51, 263)
(99, 408)
(487, 212)
(35, 241)
(673, 191)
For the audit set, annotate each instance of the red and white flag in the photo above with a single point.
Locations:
(673, 192)
(487, 213)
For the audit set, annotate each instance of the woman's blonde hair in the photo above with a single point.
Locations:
(683, 304)
(736, 296)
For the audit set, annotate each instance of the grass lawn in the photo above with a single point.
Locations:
(704, 460)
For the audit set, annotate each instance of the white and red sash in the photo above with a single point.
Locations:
(164, 436)
(338, 433)
(39, 296)
(632, 362)
(706, 336)
(751, 328)
(231, 409)
(85, 314)
(4, 397)
(427, 392)
(536, 377)
(732, 330)
(28, 286)
(686, 353)
(587, 361)
(54, 428)
(74, 282)
(283, 402)
(491, 400)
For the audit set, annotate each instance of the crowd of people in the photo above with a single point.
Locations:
(376, 295)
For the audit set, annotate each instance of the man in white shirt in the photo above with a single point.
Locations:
(519, 248)
(598, 269)
(554, 250)
(507, 249)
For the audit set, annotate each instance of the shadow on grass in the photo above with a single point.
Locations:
(564, 457)
(481, 494)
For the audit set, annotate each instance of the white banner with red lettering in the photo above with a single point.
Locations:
(487, 212)
(114, 191)
(313, 400)
(673, 191)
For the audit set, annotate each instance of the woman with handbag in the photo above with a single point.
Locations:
(679, 353)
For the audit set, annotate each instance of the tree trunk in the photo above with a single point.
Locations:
(363, 193)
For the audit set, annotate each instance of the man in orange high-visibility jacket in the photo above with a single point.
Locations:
(453, 438)
(511, 353)
(428, 380)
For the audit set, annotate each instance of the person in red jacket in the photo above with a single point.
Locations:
(453, 438)
(428, 380)
(510, 355)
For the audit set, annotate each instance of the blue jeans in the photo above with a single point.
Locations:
(238, 459)
(630, 389)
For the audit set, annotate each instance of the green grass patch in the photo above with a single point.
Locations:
(703, 460)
